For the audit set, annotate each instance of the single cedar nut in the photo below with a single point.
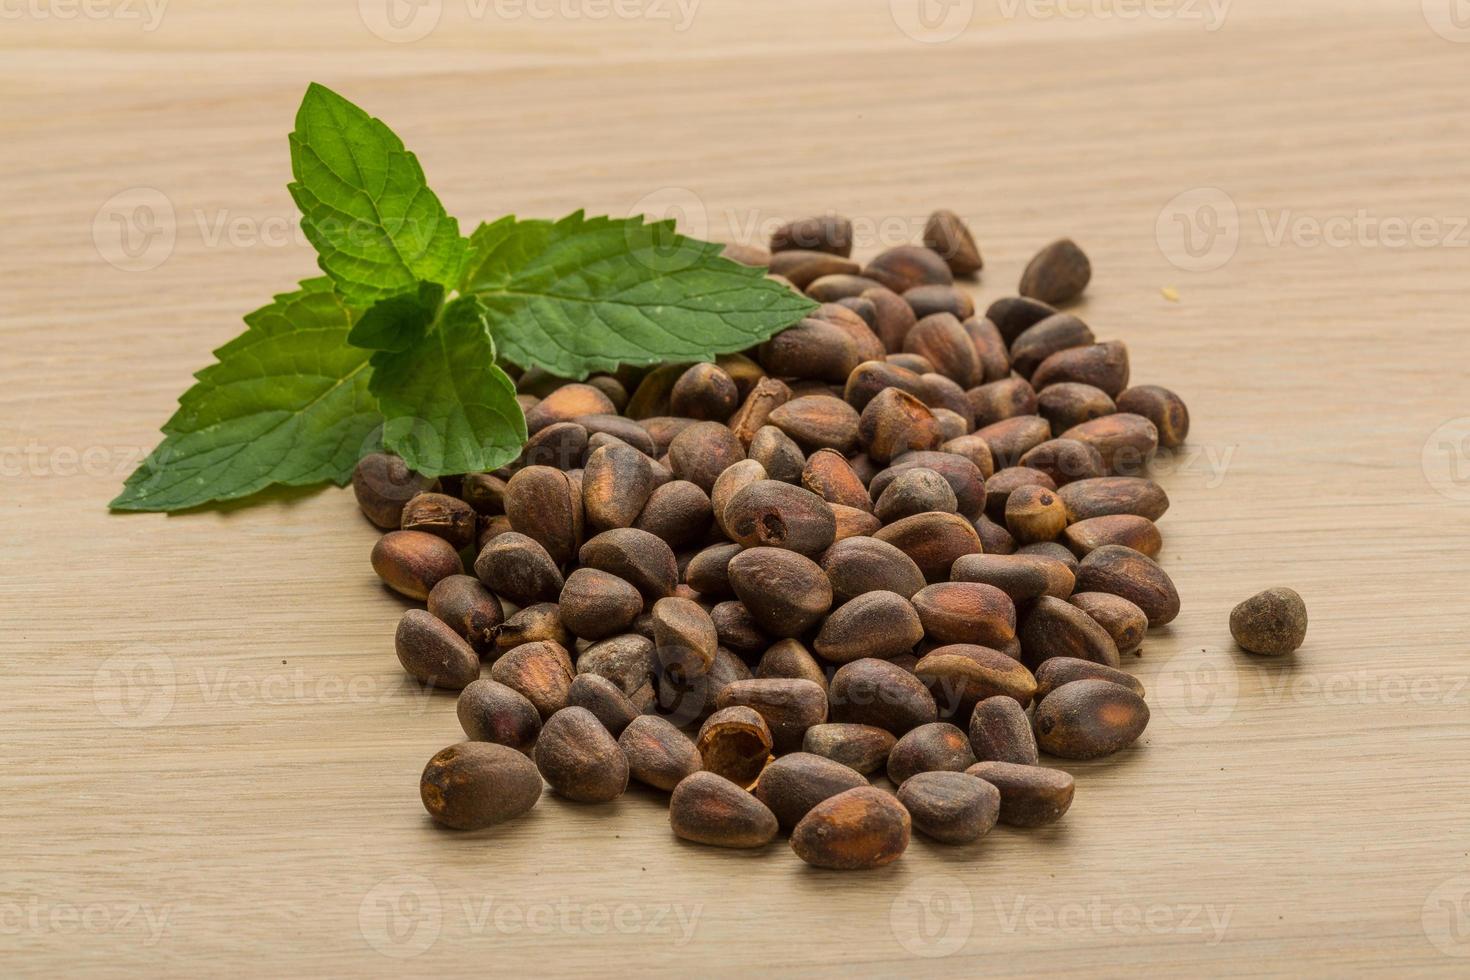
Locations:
(951, 807)
(880, 694)
(933, 541)
(543, 504)
(1054, 550)
(1010, 439)
(1030, 796)
(382, 485)
(1123, 620)
(907, 266)
(708, 571)
(752, 255)
(1128, 530)
(859, 565)
(997, 401)
(1022, 577)
(1013, 314)
(786, 592)
(1064, 670)
(875, 624)
(1065, 460)
(541, 671)
(778, 454)
(1104, 366)
(520, 569)
(854, 523)
(790, 660)
(636, 557)
(485, 492)
(767, 395)
(789, 707)
(1001, 732)
(840, 288)
(916, 491)
(895, 422)
(1058, 274)
(678, 512)
(1163, 408)
(533, 624)
(595, 605)
(943, 341)
(491, 712)
(801, 267)
(1089, 719)
(735, 743)
(736, 477)
(1270, 623)
(604, 699)
(737, 629)
(961, 674)
(628, 661)
(768, 513)
(964, 477)
(1041, 340)
(1056, 628)
(616, 484)
(994, 540)
(561, 445)
(828, 474)
(1068, 404)
(1136, 577)
(412, 562)
(1114, 495)
(859, 829)
(434, 654)
(567, 403)
(708, 809)
(795, 783)
(468, 608)
(990, 346)
(1126, 442)
(580, 759)
(861, 747)
(966, 612)
(895, 318)
(442, 516)
(825, 233)
(936, 747)
(1035, 514)
(684, 637)
(947, 235)
(705, 392)
(658, 754)
(474, 785)
(818, 422)
(702, 452)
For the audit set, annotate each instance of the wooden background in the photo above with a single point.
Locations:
(210, 756)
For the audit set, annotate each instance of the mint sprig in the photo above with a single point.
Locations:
(397, 346)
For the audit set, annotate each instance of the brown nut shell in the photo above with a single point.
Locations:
(1022, 577)
(1136, 577)
(1030, 796)
(635, 556)
(474, 785)
(951, 807)
(544, 504)
(1123, 620)
(433, 653)
(1057, 274)
(966, 612)
(1056, 628)
(936, 747)
(874, 624)
(540, 671)
(1089, 719)
(708, 809)
(1270, 623)
(768, 513)
(489, 711)
(1114, 495)
(383, 484)
(595, 605)
(517, 567)
(947, 235)
(880, 694)
(604, 699)
(735, 743)
(1163, 408)
(818, 422)
(787, 593)
(413, 562)
(468, 608)
(858, 565)
(856, 830)
(933, 541)
(580, 759)
(789, 707)
(658, 754)
(1000, 731)
(1064, 670)
(1128, 530)
(795, 783)
(961, 674)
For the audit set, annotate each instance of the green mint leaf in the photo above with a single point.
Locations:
(286, 403)
(587, 294)
(447, 407)
(377, 228)
(398, 322)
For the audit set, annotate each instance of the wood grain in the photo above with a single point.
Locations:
(210, 754)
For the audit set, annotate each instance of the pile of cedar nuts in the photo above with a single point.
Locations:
(896, 537)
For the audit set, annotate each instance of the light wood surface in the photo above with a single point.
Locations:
(210, 756)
